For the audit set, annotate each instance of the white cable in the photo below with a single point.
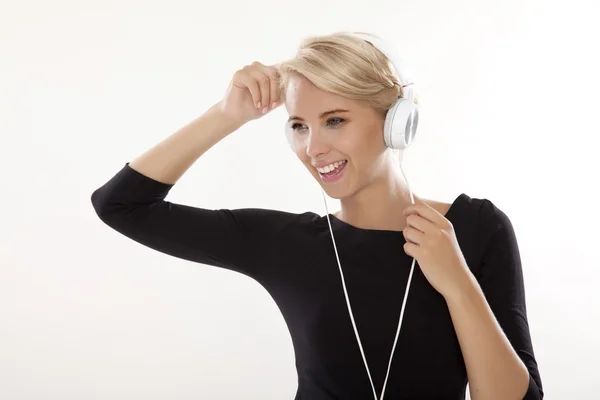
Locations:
(348, 300)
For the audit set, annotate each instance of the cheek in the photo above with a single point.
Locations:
(364, 146)
(376, 135)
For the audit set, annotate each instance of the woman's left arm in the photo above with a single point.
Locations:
(488, 313)
(494, 369)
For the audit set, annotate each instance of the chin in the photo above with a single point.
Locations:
(337, 192)
(334, 194)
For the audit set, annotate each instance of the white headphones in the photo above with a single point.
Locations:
(402, 118)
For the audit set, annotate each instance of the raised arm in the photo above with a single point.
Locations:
(249, 90)
(133, 201)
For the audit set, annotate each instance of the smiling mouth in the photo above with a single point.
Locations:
(333, 175)
(334, 171)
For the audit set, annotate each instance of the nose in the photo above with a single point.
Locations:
(316, 143)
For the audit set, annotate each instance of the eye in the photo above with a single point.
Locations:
(331, 122)
(295, 126)
(336, 120)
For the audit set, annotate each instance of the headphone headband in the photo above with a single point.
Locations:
(401, 68)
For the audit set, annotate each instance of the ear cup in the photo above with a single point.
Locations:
(401, 124)
(403, 117)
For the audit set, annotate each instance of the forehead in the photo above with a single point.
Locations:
(302, 97)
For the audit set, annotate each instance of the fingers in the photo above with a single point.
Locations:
(265, 86)
(274, 94)
(258, 72)
(246, 79)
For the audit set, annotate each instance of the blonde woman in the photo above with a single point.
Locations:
(465, 320)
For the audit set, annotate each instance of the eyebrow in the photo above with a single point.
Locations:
(323, 114)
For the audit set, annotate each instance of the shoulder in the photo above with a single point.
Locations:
(282, 223)
(463, 208)
(267, 222)
(477, 221)
(287, 224)
(477, 211)
(490, 217)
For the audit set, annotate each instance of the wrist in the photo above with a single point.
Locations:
(465, 286)
(229, 122)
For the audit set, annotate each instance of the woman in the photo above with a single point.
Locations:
(465, 319)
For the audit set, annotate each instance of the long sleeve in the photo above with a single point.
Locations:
(242, 240)
(501, 280)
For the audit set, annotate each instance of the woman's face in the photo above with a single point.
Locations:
(328, 128)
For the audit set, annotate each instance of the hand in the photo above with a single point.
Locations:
(252, 92)
(431, 240)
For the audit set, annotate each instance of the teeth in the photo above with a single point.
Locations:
(331, 167)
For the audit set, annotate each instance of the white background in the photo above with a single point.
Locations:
(510, 113)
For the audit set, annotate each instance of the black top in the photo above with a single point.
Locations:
(292, 257)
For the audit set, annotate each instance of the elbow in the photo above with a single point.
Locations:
(101, 204)
(534, 390)
(97, 203)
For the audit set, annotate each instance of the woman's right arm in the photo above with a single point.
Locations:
(133, 202)
(168, 160)
(252, 92)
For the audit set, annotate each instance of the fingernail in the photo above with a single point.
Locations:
(264, 110)
(258, 105)
(273, 104)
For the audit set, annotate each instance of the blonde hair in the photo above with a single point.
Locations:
(347, 66)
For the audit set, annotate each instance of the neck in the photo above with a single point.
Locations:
(380, 204)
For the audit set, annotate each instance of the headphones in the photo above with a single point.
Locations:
(402, 118)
